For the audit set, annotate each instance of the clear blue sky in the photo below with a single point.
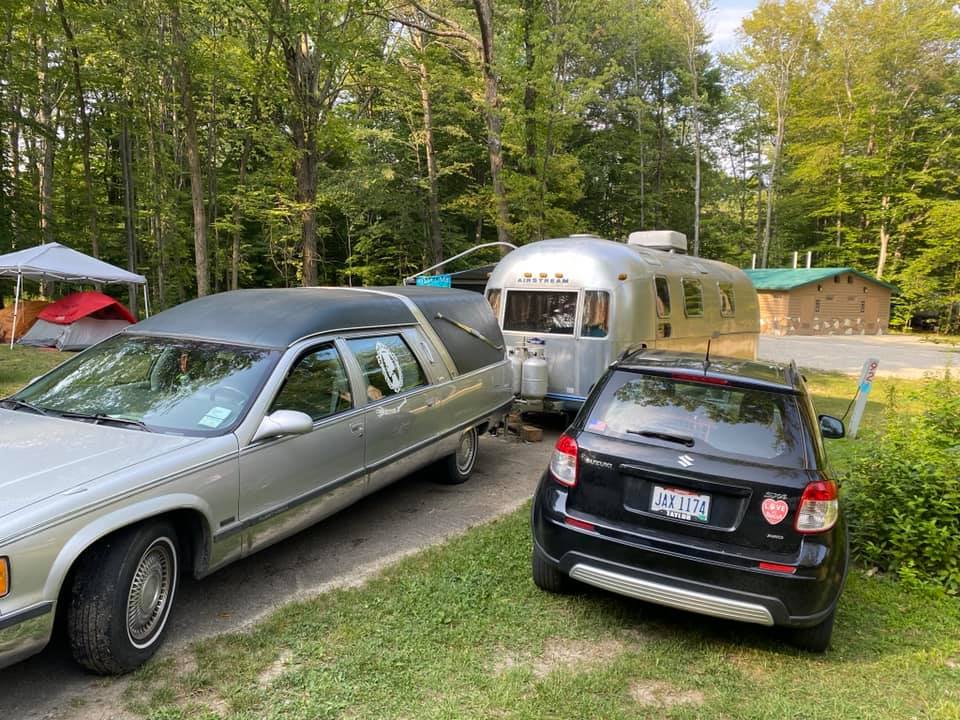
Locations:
(724, 21)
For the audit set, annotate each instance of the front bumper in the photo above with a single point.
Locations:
(25, 633)
(669, 576)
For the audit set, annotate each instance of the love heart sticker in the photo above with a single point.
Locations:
(774, 511)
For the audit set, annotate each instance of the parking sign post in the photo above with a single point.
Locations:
(867, 375)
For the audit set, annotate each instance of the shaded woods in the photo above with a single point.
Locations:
(212, 145)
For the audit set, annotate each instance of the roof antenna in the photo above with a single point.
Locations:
(706, 359)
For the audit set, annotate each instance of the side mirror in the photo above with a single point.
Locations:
(831, 427)
(283, 422)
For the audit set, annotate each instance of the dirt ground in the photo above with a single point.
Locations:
(343, 550)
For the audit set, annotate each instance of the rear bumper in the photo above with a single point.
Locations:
(667, 576)
(25, 633)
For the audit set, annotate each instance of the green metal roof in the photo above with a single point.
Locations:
(789, 278)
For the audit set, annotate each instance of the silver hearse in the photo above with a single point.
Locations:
(214, 429)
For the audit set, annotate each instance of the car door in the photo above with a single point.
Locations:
(399, 419)
(289, 482)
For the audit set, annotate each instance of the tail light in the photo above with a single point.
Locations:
(563, 462)
(819, 507)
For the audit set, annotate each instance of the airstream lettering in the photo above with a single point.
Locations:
(578, 302)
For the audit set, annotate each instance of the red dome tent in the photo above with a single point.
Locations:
(78, 321)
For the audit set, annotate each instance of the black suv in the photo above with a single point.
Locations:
(700, 484)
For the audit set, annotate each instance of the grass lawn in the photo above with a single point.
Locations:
(460, 631)
(21, 364)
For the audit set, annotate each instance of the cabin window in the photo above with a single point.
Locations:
(727, 303)
(816, 306)
(663, 296)
(692, 297)
(317, 385)
(541, 312)
(596, 314)
(493, 297)
(388, 365)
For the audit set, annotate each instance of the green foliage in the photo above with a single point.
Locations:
(903, 490)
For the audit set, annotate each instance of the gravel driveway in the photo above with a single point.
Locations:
(900, 356)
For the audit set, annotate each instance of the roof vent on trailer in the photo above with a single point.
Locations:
(667, 240)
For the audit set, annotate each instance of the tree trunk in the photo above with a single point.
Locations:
(241, 187)
(85, 131)
(884, 237)
(484, 11)
(771, 190)
(433, 197)
(129, 207)
(44, 118)
(193, 153)
(529, 90)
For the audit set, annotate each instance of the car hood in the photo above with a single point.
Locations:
(44, 456)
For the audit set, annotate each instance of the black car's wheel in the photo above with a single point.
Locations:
(549, 578)
(816, 638)
(458, 466)
(123, 591)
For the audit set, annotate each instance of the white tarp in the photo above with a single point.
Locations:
(54, 261)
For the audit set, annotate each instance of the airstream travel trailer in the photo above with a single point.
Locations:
(578, 302)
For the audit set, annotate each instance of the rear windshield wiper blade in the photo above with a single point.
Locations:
(669, 437)
(18, 403)
(101, 418)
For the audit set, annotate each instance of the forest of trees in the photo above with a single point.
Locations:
(211, 144)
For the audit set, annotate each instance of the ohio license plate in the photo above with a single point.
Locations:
(680, 504)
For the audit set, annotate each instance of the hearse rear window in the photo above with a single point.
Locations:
(541, 312)
(691, 416)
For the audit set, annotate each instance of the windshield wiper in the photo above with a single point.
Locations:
(18, 403)
(101, 418)
(669, 437)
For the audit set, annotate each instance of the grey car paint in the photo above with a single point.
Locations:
(67, 484)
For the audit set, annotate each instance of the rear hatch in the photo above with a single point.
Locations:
(711, 465)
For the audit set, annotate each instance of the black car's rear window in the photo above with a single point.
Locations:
(691, 416)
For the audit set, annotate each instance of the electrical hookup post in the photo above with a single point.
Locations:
(867, 376)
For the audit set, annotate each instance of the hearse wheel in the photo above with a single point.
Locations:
(457, 467)
(123, 591)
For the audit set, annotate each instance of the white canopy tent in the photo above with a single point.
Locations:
(54, 261)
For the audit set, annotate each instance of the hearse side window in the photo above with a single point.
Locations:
(663, 296)
(317, 385)
(596, 314)
(493, 297)
(692, 297)
(727, 303)
(726, 420)
(541, 312)
(389, 367)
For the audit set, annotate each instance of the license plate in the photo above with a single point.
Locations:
(680, 504)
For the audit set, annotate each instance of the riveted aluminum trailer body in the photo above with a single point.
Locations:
(590, 299)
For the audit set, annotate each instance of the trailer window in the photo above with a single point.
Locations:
(727, 304)
(692, 297)
(596, 314)
(541, 312)
(663, 296)
(493, 297)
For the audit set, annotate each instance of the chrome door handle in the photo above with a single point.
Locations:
(431, 402)
(356, 428)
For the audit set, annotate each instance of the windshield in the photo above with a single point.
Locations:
(716, 419)
(167, 384)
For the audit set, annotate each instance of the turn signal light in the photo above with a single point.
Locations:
(4, 576)
(563, 462)
(819, 507)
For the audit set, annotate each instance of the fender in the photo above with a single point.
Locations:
(116, 520)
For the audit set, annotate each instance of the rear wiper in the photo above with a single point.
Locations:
(18, 403)
(100, 418)
(669, 437)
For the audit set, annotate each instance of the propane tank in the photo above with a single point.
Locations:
(516, 357)
(534, 379)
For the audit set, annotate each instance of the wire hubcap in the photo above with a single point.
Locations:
(150, 591)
